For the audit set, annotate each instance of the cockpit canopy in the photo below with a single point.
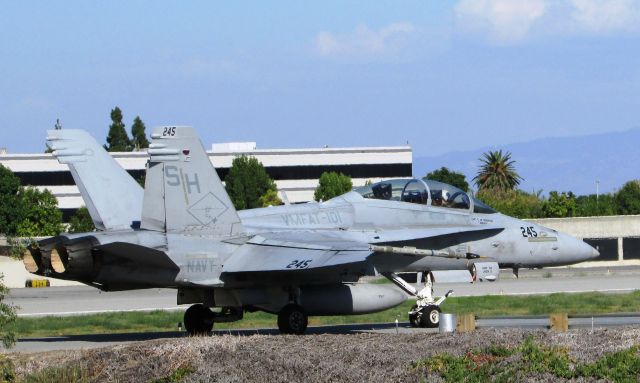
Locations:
(423, 192)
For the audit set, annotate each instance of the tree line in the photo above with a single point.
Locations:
(117, 138)
(26, 211)
(497, 185)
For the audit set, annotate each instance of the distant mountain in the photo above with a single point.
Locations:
(560, 163)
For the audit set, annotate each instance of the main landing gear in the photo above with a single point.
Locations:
(292, 319)
(426, 311)
(199, 319)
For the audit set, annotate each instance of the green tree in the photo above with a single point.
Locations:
(270, 198)
(117, 139)
(559, 205)
(449, 177)
(40, 214)
(81, 222)
(247, 181)
(10, 205)
(515, 203)
(26, 211)
(497, 171)
(139, 137)
(592, 205)
(628, 198)
(7, 317)
(332, 184)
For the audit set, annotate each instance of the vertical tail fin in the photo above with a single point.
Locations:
(183, 192)
(112, 196)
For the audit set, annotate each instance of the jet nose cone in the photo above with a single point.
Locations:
(588, 252)
(576, 250)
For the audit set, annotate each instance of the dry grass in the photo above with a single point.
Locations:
(312, 358)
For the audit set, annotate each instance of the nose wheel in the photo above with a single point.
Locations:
(414, 316)
(292, 319)
(198, 320)
(426, 316)
(430, 316)
(426, 312)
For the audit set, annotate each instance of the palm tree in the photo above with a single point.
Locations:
(497, 172)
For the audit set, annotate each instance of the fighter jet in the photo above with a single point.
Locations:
(296, 260)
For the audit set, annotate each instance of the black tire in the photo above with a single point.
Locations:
(292, 319)
(198, 320)
(430, 316)
(414, 319)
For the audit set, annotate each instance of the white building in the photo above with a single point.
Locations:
(295, 171)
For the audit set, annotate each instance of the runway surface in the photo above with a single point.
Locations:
(75, 300)
(83, 300)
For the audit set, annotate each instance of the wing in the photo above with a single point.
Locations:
(323, 257)
(264, 254)
(292, 258)
(308, 250)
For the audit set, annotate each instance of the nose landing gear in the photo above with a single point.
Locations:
(426, 311)
(426, 316)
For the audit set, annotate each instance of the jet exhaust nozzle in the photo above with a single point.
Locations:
(72, 260)
(32, 260)
(59, 259)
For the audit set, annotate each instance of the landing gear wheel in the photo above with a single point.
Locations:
(414, 317)
(430, 317)
(198, 320)
(292, 320)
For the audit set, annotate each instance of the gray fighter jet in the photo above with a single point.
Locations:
(295, 260)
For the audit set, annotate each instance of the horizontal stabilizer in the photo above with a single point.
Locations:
(140, 256)
(112, 196)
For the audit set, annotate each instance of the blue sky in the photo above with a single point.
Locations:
(442, 75)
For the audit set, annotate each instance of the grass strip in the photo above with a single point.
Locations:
(578, 303)
(530, 359)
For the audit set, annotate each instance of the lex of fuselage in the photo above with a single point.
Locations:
(425, 214)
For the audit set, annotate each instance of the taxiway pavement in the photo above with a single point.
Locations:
(75, 300)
